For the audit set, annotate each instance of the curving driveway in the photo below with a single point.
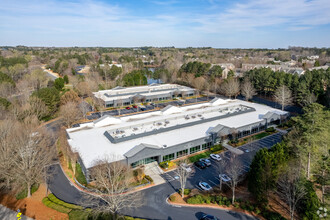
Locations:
(154, 199)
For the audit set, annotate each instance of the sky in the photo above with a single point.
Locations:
(159, 23)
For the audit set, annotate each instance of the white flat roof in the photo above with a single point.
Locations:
(92, 144)
(126, 92)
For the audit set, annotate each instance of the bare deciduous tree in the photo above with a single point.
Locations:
(230, 87)
(70, 112)
(234, 170)
(28, 150)
(283, 96)
(113, 179)
(183, 174)
(247, 89)
(220, 167)
(70, 96)
(290, 188)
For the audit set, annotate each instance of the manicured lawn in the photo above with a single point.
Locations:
(199, 156)
(261, 135)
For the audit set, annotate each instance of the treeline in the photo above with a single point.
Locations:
(311, 85)
(292, 168)
(136, 78)
(11, 61)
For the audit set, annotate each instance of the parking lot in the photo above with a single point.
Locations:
(96, 115)
(210, 174)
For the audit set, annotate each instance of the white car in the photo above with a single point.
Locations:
(215, 157)
(186, 167)
(206, 161)
(224, 177)
(247, 150)
(205, 186)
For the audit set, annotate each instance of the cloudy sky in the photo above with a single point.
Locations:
(179, 23)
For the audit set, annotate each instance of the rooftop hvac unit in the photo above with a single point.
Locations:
(164, 145)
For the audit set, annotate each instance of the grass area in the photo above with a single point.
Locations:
(68, 174)
(23, 194)
(199, 156)
(76, 212)
(240, 142)
(80, 177)
(214, 149)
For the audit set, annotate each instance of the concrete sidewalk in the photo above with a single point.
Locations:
(154, 171)
(8, 214)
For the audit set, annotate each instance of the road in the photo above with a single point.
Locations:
(155, 206)
(6, 213)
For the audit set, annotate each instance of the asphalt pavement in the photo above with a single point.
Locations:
(154, 198)
(211, 173)
(115, 112)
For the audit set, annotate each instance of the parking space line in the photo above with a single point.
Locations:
(213, 182)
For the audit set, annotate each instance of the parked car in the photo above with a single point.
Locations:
(215, 157)
(247, 150)
(208, 217)
(134, 106)
(205, 186)
(200, 164)
(128, 108)
(186, 167)
(206, 161)
(152, 103)
(224, 177)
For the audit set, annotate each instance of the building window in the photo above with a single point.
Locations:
(245, 133)
(195, 149)
(254, 130)
(127, 103)
(182, 153)
(168, 157)
(109, 105)
(144, 161)
(205, 146)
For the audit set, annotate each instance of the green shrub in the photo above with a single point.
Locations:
(79, 214)
(149, 178)
(23, 194)
(55, 206)
(55, 200)
(70, 165)
(164, 164)
(271, 129)
(80, 177)
(272, 215)
(216, 148)
(186, 191)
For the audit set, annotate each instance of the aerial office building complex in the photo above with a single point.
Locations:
(170, 133)
(120, 96)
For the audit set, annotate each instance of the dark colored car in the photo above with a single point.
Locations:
(209, 217)
(200, 164)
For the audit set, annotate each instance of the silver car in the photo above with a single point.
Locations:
(186, 167)
(205, 186)
(224, 177)
(206, 161)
